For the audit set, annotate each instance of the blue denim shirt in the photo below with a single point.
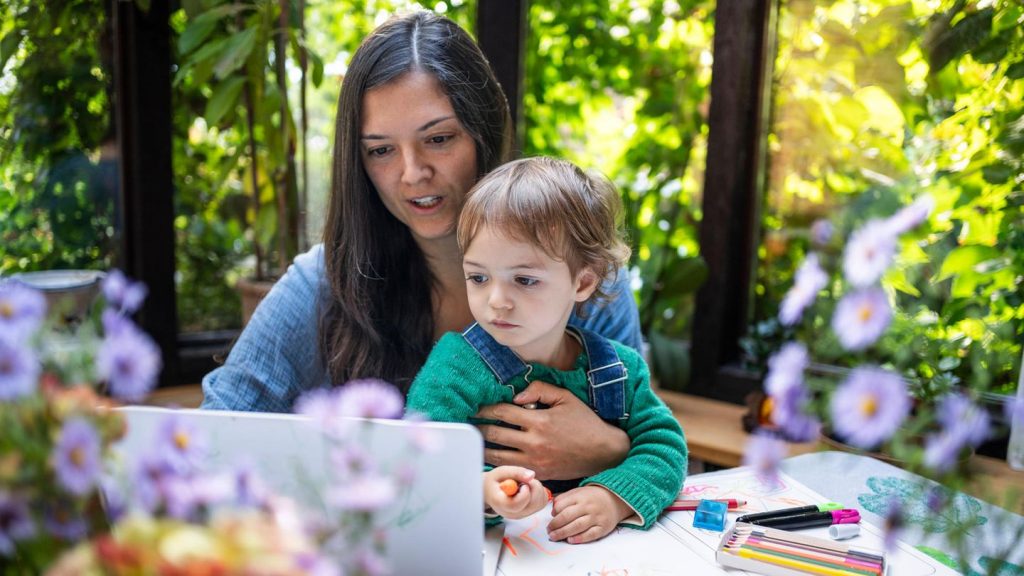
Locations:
(277, 358)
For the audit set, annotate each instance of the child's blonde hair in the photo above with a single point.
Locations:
(553, 204)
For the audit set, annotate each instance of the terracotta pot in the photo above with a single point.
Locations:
(252, 292)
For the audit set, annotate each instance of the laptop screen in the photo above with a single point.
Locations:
(433, 527)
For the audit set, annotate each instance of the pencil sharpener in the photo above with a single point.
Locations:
(710, 515)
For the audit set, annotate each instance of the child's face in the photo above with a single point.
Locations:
(520, 295)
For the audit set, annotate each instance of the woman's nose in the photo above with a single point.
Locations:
(414, 169)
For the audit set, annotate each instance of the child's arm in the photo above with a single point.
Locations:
(453, 383)
(514, 492)
(649, 478)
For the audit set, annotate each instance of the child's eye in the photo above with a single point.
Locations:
(526, 281)
(476, 278)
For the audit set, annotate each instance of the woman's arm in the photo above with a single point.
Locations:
(617, 319)
(277, 357)
(565, 441)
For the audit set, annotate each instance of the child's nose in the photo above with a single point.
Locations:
(499, 298)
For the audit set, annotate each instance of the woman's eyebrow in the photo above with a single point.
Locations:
(434, 122)
(423, 128)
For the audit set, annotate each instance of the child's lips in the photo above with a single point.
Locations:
(502, 324)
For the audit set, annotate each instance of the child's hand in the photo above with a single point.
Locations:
(525, 497)
(585, 514)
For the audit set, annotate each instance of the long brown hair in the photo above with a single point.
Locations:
(378, 319)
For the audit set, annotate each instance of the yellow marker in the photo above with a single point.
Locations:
(791, 563)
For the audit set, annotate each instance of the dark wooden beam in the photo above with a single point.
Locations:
(729, 233)
(501, 34)
(142, 112)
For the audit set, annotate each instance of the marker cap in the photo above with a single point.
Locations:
(843, 531)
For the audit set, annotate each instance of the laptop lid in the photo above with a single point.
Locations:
(436, 527)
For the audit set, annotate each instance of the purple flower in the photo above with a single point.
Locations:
(351, 460)
(19, 369)
(821, 232)
(121, 293)
(869, 406)
(911, 216)
(22, 309)
(249, 489)
(63, 522)
(786, 368)
(810, 279)
(370, 399)
(129, 362)
(1015, 411)
(189, 497)
(151, 475)
(868, 253)
(763, 453)
(963, 418)
(364, 494)
(77, 456)
(371, 563)
(15, 522)
(892, 524)
(964, 423)
(861, 317)
(181, 443)
(942, 450)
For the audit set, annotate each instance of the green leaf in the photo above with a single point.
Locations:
(684, 276)
(236, 51)
(317, 74)
(223, 99)
(196, 32)
(962, 260)
(670, 361)
(1015, 71)
(8, 46)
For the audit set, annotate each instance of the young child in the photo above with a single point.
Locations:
(539, 237)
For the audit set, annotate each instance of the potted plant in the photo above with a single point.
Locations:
(230, 50)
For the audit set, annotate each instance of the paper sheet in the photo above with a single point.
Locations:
(673, 545)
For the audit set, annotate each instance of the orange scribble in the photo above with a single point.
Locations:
(508, 544)
(525, 535)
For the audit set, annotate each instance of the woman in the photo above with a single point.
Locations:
(420, 119)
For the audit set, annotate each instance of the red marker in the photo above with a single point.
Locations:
(731, 503)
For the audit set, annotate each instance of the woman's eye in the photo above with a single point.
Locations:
(523, 281)
(380, 151)
(440, 139)
(476, 278)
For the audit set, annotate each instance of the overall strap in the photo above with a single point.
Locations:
(606, 375)
(502, 361)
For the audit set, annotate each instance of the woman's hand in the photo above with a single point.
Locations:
(528, 496)
(585, 514)
(567, 440)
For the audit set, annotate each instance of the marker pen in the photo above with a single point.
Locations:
(826, 507)
(810, 520)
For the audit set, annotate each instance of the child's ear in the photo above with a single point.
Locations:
(586, 283)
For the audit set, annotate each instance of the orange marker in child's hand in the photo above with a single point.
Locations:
(509, 486)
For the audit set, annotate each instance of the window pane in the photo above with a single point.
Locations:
(221, 114)
(876, 103)
(58, 146)
(623, 88)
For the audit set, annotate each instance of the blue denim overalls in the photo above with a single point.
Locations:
(606, 376)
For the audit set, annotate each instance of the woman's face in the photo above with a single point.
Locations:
(417, 154)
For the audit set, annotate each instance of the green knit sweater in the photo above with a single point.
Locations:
(455, 383)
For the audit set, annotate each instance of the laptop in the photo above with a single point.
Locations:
(436, 527)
